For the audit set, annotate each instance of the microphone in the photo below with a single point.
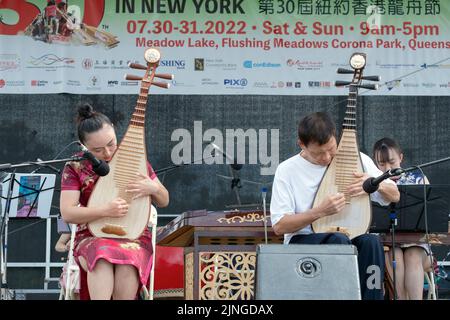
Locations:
(371, 185)
(100, 167)
(233, 162)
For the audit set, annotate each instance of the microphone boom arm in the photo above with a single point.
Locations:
(371, 184)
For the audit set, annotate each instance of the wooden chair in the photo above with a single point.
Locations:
(71, 272)
(432, 289)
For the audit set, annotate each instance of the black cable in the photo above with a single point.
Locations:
(64, 149)
(399, 78)
(59, 153)
(425, 209)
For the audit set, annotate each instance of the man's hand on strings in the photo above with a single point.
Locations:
(355, 188)
(332, 204)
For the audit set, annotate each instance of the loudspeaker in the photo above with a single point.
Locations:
(307, 272)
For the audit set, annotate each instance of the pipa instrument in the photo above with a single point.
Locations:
(129, 159)
(356, 216)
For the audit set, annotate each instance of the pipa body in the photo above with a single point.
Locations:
(355, 218)
(129, 159)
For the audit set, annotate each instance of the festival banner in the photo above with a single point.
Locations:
(259, 47)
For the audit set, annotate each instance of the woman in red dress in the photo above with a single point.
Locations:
(115, 268)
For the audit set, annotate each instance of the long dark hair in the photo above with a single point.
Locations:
(380, 152)
(89, 121)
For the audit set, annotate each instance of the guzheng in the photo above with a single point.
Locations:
(236, 227)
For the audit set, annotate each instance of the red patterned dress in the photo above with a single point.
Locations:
(80, 176)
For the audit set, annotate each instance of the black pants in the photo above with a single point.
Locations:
(370, 258)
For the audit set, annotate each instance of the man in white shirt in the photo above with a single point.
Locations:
(296, 182)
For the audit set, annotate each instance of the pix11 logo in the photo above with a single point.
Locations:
(235, 82)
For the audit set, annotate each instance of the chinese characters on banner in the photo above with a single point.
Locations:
(274, 47)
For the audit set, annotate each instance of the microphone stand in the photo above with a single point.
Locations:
(234, 168)
(175, 166)
(235, 183)
(4, 292)
(6, 166)
(393, 218)
(264, 192)
(421, 166)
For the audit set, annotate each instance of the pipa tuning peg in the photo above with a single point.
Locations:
(132, 77)
(164, 76)
(163, 85)
(371, 78)
(344, 71)
(369, 86)
(137, 66)
(339, 83)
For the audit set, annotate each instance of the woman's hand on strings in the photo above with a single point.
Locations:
(116, 208)
(142, 186)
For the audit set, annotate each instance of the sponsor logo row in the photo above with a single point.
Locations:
(95, 82)
(51, 61)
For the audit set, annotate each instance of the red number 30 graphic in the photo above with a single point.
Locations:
(93, 14)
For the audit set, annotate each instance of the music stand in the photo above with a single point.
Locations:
(411, 210)
(4, 292)
(31, 195)
(23, 199)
